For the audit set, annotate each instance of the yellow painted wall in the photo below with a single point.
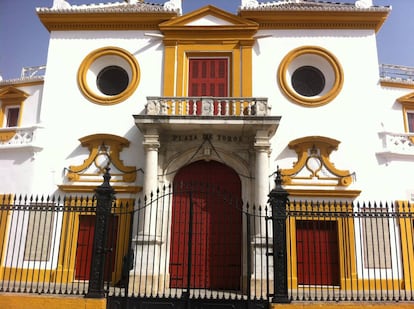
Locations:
(24, 301)
(344, 305)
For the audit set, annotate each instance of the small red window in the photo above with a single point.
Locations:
(410, 121)
(12, 117)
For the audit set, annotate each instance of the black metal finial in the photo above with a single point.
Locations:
(278, 179)
(107, 176)
(105, 186)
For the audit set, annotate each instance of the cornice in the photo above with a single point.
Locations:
(20, 82)
(316, 19)
(91, 189)
(323, 193)
(104, 21)
(397, 84)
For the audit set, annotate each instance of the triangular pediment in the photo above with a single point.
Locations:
(208, 16)
(407, 99)
(12, 93)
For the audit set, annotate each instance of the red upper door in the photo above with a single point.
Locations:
(208, 77)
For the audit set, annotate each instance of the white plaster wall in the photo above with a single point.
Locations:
(32, 105)
(354, 117)
(67, 115)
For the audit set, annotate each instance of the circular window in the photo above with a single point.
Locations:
(308, 81)
(310, 76)
(112, 80)
(108, 75)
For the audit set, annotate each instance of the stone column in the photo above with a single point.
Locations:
(146, 239)
(261, 188)
(151, 145)
(262, 149)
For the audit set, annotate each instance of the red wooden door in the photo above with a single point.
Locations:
(208, 77)
(317, 252)
(85, 246)
(211, 256)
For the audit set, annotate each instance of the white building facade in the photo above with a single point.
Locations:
(152, 94)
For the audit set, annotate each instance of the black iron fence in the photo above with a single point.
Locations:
(199, 243)
(195, 243)
(350, 251)
(38, 244)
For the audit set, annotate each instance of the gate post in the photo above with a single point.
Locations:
(278, 199)
(105, 194)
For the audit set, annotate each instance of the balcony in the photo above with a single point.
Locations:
(207, 106)
(226, 114)
(396, 145)
(19, 137)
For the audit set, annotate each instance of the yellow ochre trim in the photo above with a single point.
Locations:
(11, 96)
(65, 272)
(407, 240)
(407, 103)
(234, 29)
(95, 55)
(5, 136)
(184, 52)
(233, 39)
(104, 21)
(95, 142)
(324, 146)
(91, 189)
(27, 301)
(5, 217)
(313, 19)
(324, 193)
(346, 240)
(344, 305)
(284, 83)
(396, 84)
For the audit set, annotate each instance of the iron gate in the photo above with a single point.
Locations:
(194, 246)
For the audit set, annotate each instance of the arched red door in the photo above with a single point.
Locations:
(206, 227)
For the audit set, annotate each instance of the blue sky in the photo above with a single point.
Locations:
(24, 40)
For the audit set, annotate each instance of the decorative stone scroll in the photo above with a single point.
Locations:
(104, 151)
(313, 166)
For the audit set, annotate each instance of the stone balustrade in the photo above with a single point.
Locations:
(397, 144)
(17, 137)
(207, 106)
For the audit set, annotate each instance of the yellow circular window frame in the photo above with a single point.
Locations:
(94, 56)
(310, 101)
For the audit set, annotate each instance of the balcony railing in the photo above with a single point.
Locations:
(207, 106)
(397, 144)
(28, 72)
(18, 137)
(396, 72)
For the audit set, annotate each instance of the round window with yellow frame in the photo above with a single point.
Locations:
(310, 76)
(108, 75)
